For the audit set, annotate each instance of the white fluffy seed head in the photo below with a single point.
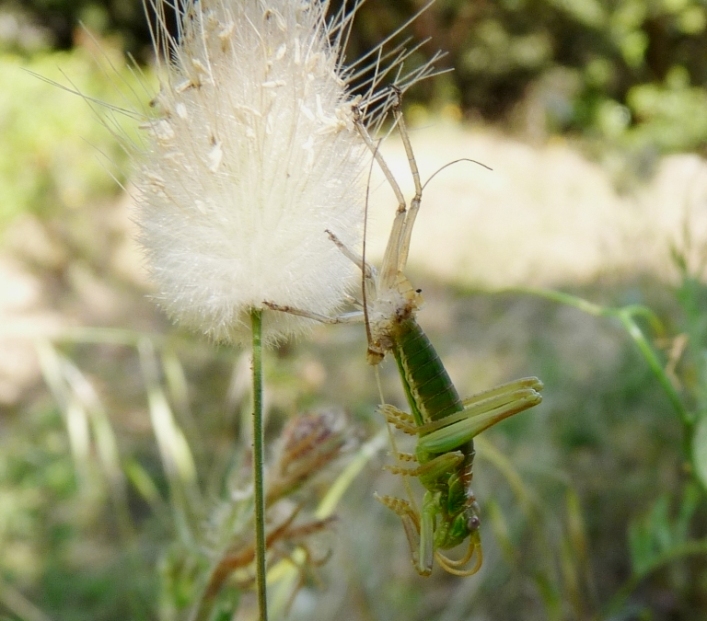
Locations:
(250, 157)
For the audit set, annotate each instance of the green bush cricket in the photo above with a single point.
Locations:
(444, 424)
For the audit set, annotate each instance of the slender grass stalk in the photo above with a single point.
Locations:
(626, 315)
(259, 494)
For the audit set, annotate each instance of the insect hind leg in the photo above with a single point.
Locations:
(398, 248)
(406, 234)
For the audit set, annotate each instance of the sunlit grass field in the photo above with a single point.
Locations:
(124, 444)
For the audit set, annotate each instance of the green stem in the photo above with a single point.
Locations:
(626, 316)
(259, 495)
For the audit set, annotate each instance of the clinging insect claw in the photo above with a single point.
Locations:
(397, 98)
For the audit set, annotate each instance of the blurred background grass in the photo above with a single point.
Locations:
(121, 439)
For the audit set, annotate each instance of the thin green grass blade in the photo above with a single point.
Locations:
(175, 453)
(52, 365)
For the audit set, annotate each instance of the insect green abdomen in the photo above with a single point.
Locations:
(429, 389)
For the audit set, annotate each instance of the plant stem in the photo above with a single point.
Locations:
(259, 496)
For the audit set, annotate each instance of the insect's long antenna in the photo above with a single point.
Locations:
(419, 187)
(448, 164)
(364, 295)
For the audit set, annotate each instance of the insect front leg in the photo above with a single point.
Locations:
(369, 278)
(352, 317)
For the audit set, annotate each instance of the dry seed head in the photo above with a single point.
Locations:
(251, 155)
(308, 444)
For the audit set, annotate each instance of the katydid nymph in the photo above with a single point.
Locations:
(444, 424)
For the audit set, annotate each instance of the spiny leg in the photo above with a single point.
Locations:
(426, 554)
(352, 317)
(419, 529)
(373, 147)
(420, 533)
(369, 277)
(399, 456)
(396, 253)
(433, 468)
(411, 525)
(409, 457)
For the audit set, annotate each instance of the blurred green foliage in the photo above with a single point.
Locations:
(631, 72)
(44, 169)
(669, 534)
(45, 514)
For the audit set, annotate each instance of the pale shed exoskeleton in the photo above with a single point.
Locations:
(443, 423)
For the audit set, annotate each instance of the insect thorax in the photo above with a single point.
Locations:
(388, 312)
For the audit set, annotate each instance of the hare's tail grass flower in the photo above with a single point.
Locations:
(250, 156)
(248, 153)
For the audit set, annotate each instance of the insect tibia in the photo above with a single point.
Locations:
(352, 317)
(412, 527)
